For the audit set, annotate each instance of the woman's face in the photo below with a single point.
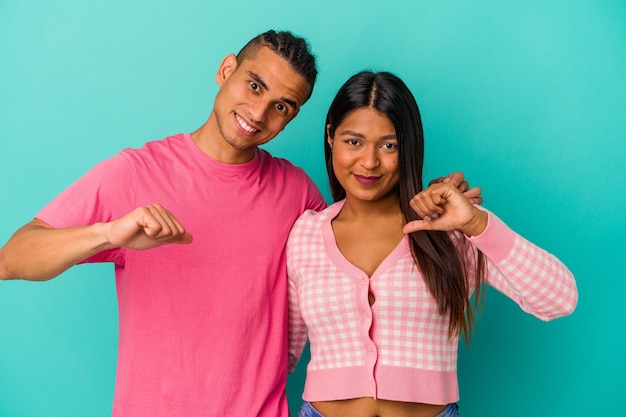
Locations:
(365, 154)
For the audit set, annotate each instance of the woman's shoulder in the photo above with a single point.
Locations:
(312, 222)
(312, 217)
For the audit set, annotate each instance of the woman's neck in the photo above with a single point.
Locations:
(366, 232)
(357, 210)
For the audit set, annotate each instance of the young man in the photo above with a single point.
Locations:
(201, 325)
(202, 319)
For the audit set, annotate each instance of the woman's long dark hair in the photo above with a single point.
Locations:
(442, 265)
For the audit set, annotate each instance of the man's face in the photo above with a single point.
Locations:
(256, 100)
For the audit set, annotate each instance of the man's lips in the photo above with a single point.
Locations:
(244, 127)
(366, 179)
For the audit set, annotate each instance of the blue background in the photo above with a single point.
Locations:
(527, 98)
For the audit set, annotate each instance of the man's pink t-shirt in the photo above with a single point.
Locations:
(202, 327)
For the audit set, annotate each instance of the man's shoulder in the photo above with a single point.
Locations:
(156, 146)
(292, 180)
(288, 169)
(156, 154)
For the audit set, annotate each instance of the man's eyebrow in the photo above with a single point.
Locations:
(256, 77)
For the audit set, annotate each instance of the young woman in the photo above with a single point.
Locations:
(380, 281)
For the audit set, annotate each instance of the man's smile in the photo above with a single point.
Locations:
(244, 126)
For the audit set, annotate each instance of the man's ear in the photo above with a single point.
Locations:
(226, 68)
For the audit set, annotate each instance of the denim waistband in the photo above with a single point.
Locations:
(307, 410)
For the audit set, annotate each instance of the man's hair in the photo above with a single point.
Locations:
(293, 49)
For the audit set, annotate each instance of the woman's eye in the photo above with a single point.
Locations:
(254, 86)
(353, 142)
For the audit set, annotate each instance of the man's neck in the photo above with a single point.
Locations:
(210, 141)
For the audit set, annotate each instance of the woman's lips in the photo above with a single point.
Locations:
(366, 179)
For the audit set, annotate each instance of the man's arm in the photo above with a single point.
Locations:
(38, 252)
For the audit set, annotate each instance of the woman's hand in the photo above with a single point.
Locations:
(442, 206)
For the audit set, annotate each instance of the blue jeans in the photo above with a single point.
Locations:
(307, 410)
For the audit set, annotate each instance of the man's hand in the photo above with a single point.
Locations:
(442, 206)
(145, 228)
(458, 179)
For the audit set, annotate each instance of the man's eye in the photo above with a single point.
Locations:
(254, 85)
(281, 107)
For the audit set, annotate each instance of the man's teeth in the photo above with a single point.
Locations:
(246, 126)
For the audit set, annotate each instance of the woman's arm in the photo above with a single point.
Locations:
(535, 279)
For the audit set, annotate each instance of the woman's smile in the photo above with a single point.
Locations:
(366, 179)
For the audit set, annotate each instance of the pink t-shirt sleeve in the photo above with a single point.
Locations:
(105, 193)
(316, 200)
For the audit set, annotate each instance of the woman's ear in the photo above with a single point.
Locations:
(329, 138)
(226, 68)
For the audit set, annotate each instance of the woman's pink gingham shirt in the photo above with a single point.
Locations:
(398, 348)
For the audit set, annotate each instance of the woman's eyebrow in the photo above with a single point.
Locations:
(360, 135)
(351, 133)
